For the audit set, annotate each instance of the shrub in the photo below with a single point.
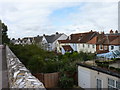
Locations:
(111, 68)
(103, 65)
(118, 69)
(66, 82)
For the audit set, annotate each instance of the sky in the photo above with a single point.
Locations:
(28, 18)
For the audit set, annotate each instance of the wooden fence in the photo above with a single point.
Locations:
(50, 80)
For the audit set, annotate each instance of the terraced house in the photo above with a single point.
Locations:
(91, 42)
(79, 42)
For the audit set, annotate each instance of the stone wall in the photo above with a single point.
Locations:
(19, 75)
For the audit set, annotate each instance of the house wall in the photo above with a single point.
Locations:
(54, 44)
(62, 51)
(59, 45)
(74, 46)
(17, 42)
(88, 48)
(44, 43)
(105, 48)
(83, 77)
(87, 78)
(117, 47)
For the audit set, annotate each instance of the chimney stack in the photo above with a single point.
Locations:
(91, 31)
(43, 34)
(116, 31)
(111, 31)
(57, 33)
(102, 32)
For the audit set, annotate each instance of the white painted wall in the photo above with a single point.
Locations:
(54, 44)
(63, 51)
(78, 47)
(59, 45)
(86, 48)
(87, 78)
(117, 47)
(84, 77)
(44, 43)
(74, 46)
(17, 42)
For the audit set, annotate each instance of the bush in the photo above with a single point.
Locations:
(66, 82)
(103, 65)
(117, 59)
(111, 68)
(118, 69)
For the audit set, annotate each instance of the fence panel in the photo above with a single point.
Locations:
(50, 80)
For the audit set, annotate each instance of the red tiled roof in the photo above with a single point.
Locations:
(63, 41)
(67, 48)
(93, 40)
(80, 37)
(99, 52)
(109, 40)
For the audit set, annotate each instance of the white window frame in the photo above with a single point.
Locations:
(93, 46)
(101, 83)
(83, 45)
(105, 47)
(88, 45)
(100, 47)
(115, 85)
(111, 47)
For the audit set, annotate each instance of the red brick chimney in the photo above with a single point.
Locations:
(116, 31)
(111, 31)
(102, 32)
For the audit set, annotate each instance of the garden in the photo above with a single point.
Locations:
(38, 60)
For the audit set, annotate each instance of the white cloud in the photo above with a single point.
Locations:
(30, 18)
(96, 16)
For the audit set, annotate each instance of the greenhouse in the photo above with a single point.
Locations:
(112, 54)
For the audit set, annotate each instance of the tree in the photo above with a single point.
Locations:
(5, 39)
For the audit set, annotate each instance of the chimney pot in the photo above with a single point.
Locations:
(111, 31)
(116, 31)
(57, 33)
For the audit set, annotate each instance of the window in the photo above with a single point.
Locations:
(93, 46)
(105, 47)
(88, 45)
(113, 84)
(73, 44)
(83, 45)
(118, 84)
(112, 47)
(119, 47)
(101, 47)
(99, 84)
(60, 49)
